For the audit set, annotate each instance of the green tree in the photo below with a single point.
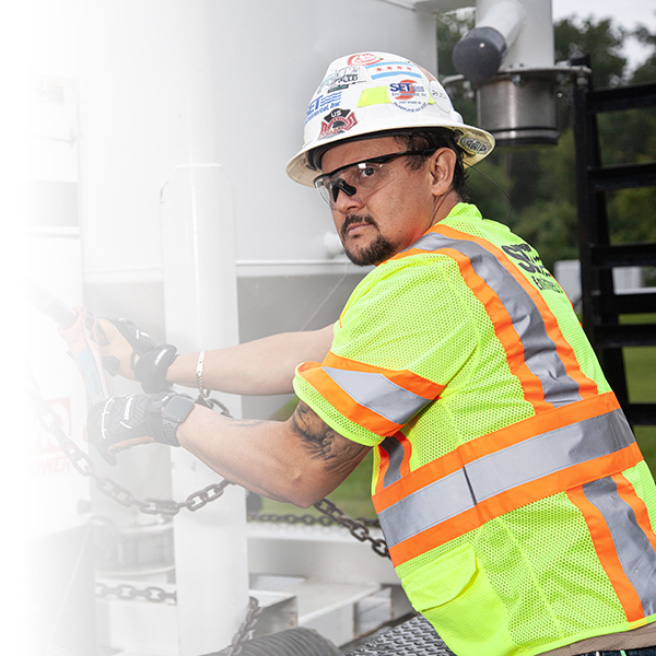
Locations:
(602, 40)
(533, 189)
(491, 187)
(450, 28)
(646, 72)
(544, 204)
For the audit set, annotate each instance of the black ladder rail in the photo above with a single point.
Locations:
(601, 305)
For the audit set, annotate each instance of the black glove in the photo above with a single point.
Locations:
(124, 421)
(151, 367)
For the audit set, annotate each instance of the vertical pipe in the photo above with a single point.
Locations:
(201, 312)
(200, 303)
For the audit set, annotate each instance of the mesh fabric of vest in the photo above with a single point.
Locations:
(417, 313)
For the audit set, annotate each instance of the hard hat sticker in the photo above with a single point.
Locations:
(383, 92)
(363, 59)
(342, 79)
(474, 146)
(440, 96)
(392, 69)
(322, 103)
(408, 95)
(339, 120)
(373, 96)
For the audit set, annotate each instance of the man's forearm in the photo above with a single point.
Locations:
(263, 366)
(299, 461)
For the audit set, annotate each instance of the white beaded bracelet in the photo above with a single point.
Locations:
(199, 375)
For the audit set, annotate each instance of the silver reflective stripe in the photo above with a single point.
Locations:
(504, 470)
(635, 552)
(547, 453)
(395, 452)
(379, 394)
(539, 349)
(427, 507)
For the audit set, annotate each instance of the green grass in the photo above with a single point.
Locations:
(640, 368)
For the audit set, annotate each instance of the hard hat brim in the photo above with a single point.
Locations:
(300, 169)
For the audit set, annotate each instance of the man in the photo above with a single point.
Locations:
(516, 505)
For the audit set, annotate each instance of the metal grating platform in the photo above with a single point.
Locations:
(416, 637)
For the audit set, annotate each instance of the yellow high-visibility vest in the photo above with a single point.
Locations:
(516, 504)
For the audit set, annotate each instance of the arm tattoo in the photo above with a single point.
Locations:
(246, 423)
(322, 442)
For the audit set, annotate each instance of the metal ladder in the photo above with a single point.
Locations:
(601, 305)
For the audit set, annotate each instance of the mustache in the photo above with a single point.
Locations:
(355, 218)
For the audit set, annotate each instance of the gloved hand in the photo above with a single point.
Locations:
(129, 351)
(121, 422)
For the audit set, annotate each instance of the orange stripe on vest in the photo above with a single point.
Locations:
(512, 500)
(492, 442)
(608, 557)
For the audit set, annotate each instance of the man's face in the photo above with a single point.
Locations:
(374, 226)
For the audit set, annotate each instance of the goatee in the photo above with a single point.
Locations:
(379, 250)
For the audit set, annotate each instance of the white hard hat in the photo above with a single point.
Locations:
(375, 92)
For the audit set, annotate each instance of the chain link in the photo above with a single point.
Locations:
(154, 594)
(357, 528)
(126, 592)
(84, 465)
(244, 633)
(306, 519)
(330, 516)
(289, 518)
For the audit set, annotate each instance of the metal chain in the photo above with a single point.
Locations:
(356, 527)
(128, 592)
(332, 515)
(125, 591)
(306, 519)
(359, 528)
(247, 626)
(84, 465)
(289, 518)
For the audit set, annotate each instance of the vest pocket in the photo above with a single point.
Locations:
(454, 594)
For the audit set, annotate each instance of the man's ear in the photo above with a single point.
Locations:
(442, 167)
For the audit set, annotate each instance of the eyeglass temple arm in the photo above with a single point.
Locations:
(348, 189)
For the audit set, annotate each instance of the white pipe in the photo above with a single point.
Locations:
(527, 27)
(200, 299)
(507, 17)
(201, 312)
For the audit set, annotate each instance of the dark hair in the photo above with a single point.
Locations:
(427, 138)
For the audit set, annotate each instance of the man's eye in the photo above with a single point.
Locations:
(367, 171)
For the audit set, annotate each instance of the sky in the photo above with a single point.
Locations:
(627, 13)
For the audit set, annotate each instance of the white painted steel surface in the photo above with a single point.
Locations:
(138, 61)
(527, 25)
(188, 112)
(506, 16)
(201, 312)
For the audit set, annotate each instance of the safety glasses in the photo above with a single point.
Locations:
(361, 178)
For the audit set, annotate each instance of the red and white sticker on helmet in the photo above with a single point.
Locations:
(363, 59)
(336, 121)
